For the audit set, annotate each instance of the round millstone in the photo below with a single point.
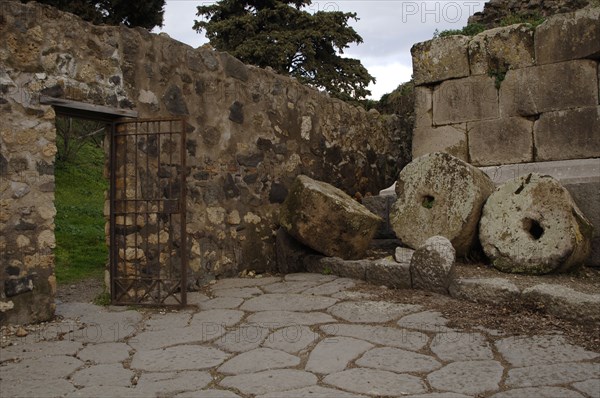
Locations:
(439, 194)
(531, 225)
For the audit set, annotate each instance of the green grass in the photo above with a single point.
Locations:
(81, 251)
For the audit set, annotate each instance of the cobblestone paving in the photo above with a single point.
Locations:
(302, 335)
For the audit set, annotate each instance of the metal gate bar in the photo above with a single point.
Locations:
(148, 255)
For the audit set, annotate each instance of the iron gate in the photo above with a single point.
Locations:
(148, 255)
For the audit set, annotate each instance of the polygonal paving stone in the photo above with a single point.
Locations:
(270, 381)
(43, 368)
(539, 392)
(208, 394)
(287, 302)
(290, 287)
(312, 392)
(243, 292)
(397, 360)
(393, 337)
(108, 326)
(107, 391)
(183, 357)
(329, 288)
(292, 339)
(548, 375)
(103, 375)
(41, 349)
(168, 320)
(76, 310)
(590, 387)
(197, 333)
(333, 354)
(307, 276)
(233, 283)
(541, 350)
(439, 395)
(278, 319)
(242, 338)
(105, 353)
(454, 346)
(225, 318)
(428, 321)
(221, 303)
(375, 382)
(471, 377)
(195, 298)
(161, 384)
(36, 388)
(371, 311)
(258, 360)
(351, 295)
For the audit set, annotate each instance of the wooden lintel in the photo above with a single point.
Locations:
(82, 109)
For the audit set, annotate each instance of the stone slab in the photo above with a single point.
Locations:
(105, 353)
(355, 269)
(590, 387)
(38, 389)
(258, 360)
(43, 368)
(160, 384)
(292, 339)
(371, 311)
(107, 391)
(427, 321)
(541, 350)
(488, 141)
(388, 336)
(464, 100)
(197, 333)
(242, 338)
(555, 374)
(440, 59)
(212, 393)
(397, 360)
(375, 382)
(564, 302)
(167, 320)
(278, 319)
(243, 292)
(311, 392)
(388, 272)
(458, 346)
(568, 134)
(231, 283)
(538, 392)
(539, 89)
(270, 381)
(333, 354)
(103, 375)
(219, 317)
(333, 287)
(484, 290)
(308, 277)
(182, 357)
(40, 349)
(288, 302)
(471, 377)
(290, 286)
(221, 303)
(568, 36)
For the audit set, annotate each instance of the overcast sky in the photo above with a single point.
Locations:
(388, 27)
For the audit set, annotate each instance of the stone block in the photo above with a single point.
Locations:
(463, 100)
(390, 273)
(485, 290)
(565, 302)
(500, 141)
(568, 134)
(432, 264)
(423, 107)
(355, 269)
(569, 36)
(546, 88)
(450, 139)
(440, 59)
(501, 49)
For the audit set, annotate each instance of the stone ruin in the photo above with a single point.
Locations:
(250, 133)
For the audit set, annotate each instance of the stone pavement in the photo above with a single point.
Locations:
(302, 335)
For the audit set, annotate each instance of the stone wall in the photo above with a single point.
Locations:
(511, 95)
(251, 132)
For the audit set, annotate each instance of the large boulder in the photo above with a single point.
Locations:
(327, 220)
(432, 265)
(531, 225)
(439, 194)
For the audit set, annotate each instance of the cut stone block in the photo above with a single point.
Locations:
(449, 139)
(327, 220)
(568, 134)
(439, 194)
(432, 264)
(485, 290)
(532, 225)
(440, 59)
(390, 273)
(500, 141)
(564, 302)
(569, 36)
(423, 106)
(464, 100)
(531, 91)
(503, 48)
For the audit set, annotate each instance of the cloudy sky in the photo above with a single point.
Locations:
(388, 27)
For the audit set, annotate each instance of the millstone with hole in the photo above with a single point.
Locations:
(531, 225)
(439, 194)
(327, 220)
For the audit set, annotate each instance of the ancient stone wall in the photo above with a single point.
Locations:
(511, 95)
(250, 133)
